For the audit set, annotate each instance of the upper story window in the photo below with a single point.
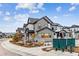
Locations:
(39, 26)
(49, 26)
(52, 28)
(75, 29)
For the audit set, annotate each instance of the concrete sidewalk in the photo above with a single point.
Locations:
(5, 52)
(35, 51)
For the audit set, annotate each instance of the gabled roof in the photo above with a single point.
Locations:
(24, 25)
(57, 24)
(19, 29)
(77, 32)
(61, 31)
(35, 20)
(32, 20)
(48, 20)
(45, 28)
(0, 32)
(66, 27)
(73, 26)
(65, 31)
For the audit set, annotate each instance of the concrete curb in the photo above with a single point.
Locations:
(9, 47)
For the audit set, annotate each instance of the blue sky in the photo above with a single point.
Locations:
(13, 15)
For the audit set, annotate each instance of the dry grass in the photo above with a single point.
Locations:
(28, 45)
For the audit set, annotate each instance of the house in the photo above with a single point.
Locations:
(74, 28)
(9, 35)
(42, 28)
(2, 35)
(20, 30)
(77, 34)
(57, 27)
(66, 28)
(29, 28)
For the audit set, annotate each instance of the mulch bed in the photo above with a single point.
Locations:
(76, 49)
(29, 45)
(47, 49)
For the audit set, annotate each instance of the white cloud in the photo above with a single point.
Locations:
(7, 18)
(58, 9)
(34, 11)
(74, 4)
(0, 4)
(72, 8)
(7, 13)
(66, 15)
(32, 7)
(55, 17)
(1, 13)
(40, 6)
(26, 6)
(21, 17)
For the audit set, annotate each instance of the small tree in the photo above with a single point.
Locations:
(17, 37)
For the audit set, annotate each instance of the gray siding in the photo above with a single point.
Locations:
(42, 23)
(47, 31)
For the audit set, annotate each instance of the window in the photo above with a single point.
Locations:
(45, 35)
(74, 29)
(39, 26)
(52, 28)
(49, 25)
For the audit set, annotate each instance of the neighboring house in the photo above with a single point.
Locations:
(29, 28)
(57, 27)
(20, 30)
(62, 34)
(1, 34)
(77, 34)
(66, 28)
(9, 34)
(74, 28)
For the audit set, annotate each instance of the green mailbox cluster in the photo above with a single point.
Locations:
(59, 43)
(71, 42)
(56, 43)
(63, 43)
